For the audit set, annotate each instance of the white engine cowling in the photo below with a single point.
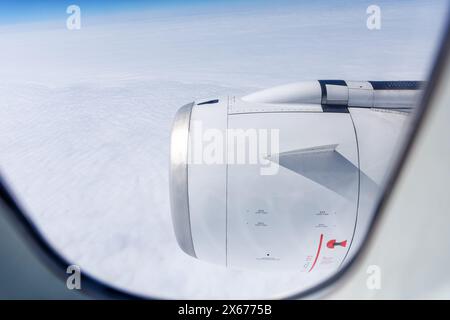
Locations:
(286, 177)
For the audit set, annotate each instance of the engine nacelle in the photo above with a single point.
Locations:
(285, 177)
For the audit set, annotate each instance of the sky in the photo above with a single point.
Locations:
(29, 10)
(85, 115)
(13, 12)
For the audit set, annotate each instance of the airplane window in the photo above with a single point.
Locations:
(204, 150)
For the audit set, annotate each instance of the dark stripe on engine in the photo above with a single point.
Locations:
(397, 85)
(333, 82)
(335, 108)
(323, 88)
(208, 102)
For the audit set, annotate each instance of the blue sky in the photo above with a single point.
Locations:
(23, 11)
(28, 10)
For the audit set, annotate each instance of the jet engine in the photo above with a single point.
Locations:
(284, 178)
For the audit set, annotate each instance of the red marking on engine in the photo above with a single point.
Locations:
(332, 243)
(317, 254)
